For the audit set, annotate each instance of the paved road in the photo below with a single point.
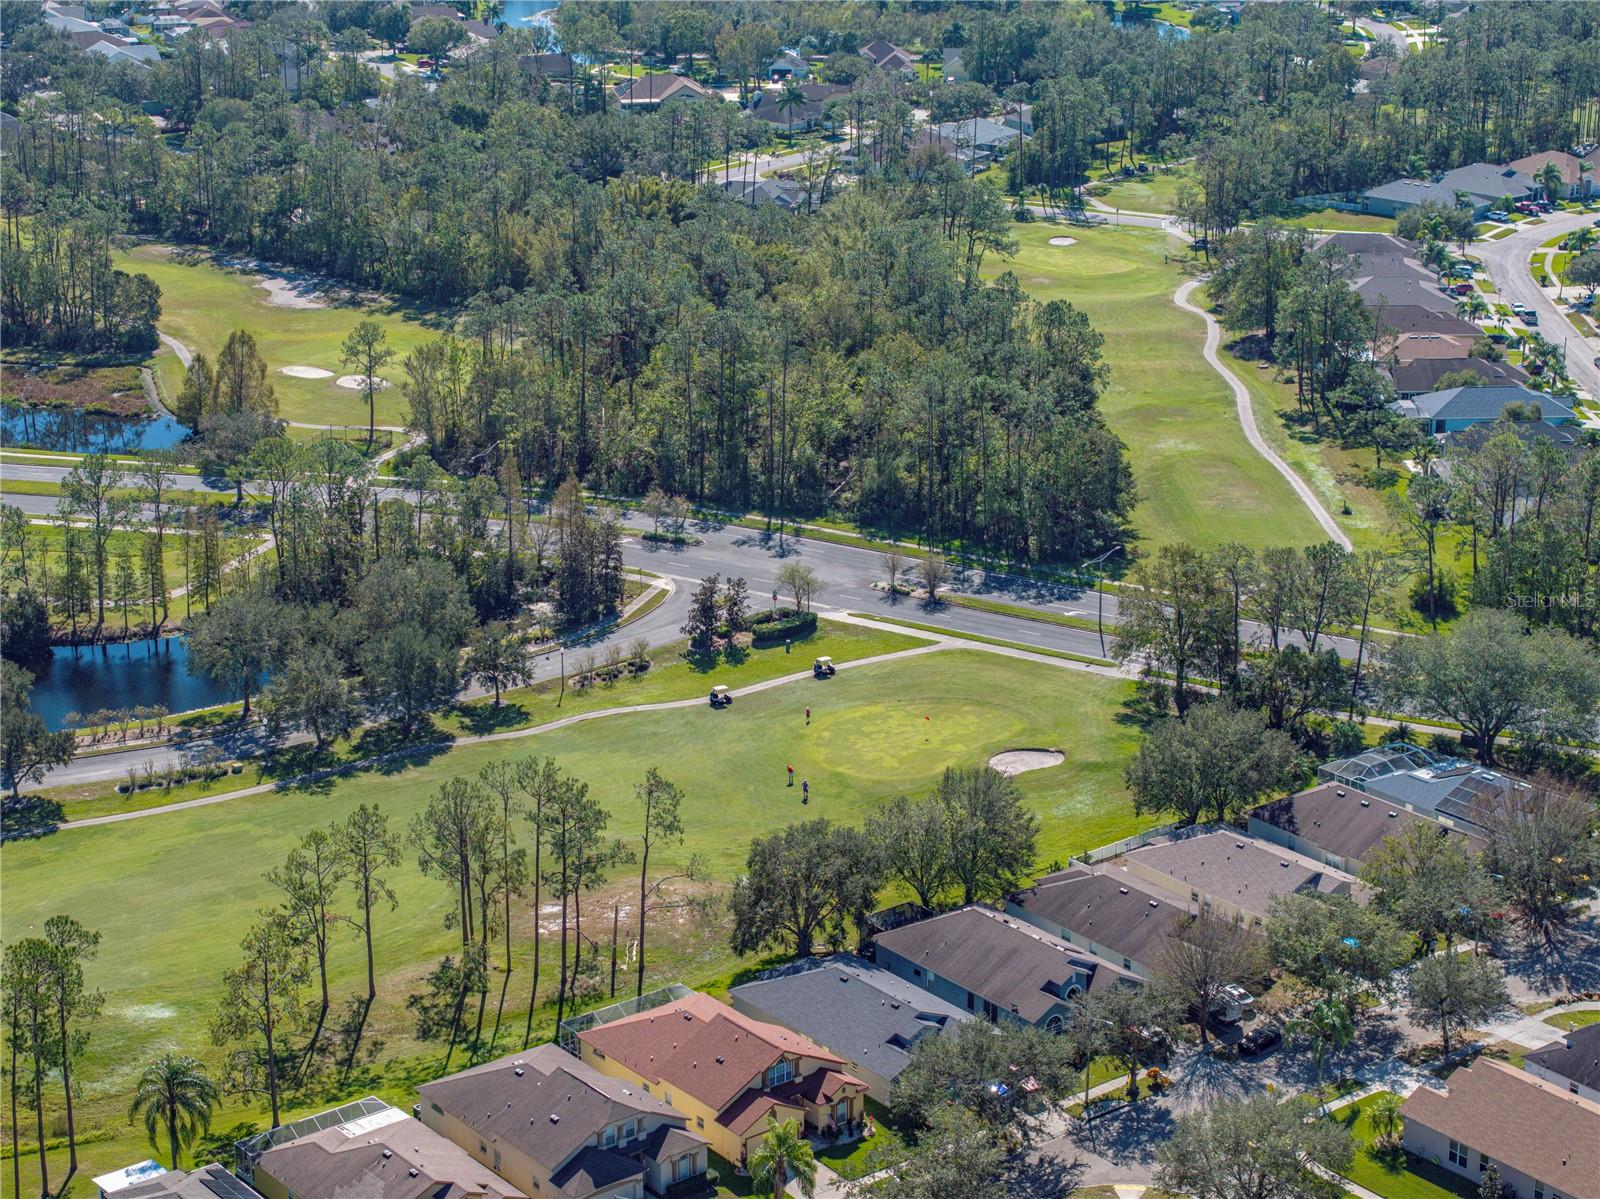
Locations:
(1507, 263)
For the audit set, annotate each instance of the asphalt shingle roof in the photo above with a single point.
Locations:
(1112, 912)
(543, 1102)
(1484, 403)
(1343, 822)
(1013, 964)
(1522, 1121)
(1237, 868)
(858, 1009)
(1576, 1056)
(1487, 180)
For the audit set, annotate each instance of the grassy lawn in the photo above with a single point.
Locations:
(1567, 1021)
(1347, 222)
(1156, 191)
(1199, 481)
(1389, 1172)
(876, 732)
(859, 1158)
(202, 302)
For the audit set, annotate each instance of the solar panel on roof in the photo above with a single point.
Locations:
(225, 1186)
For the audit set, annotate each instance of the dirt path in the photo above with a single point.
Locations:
(1247, 416)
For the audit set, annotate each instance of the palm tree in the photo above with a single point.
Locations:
(1581, 239)
(1550, 181)
(1472, 306)
(790, 99)
(1329, 1026)
(783, 1154)
(1384, 1112)
(175, 1091)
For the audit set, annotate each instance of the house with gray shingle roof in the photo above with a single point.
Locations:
(1459, 408)
(860, 1010)
(551, 1125)
(1115, 917)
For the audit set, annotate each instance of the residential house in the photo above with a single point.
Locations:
(654, 90)
(775, 108)
(442, 12)
(369, 1149)
(151, 1180)
(1391, 199)
(1487, 185)
(1229, 874)
(1462, 407)
(1567, 439)
(791, 197)
(481, 31)
(1337, 826)
(726, 1071)
(953, 68)
(1020, 118)
(116, 25)
(1418, 347)
(1572, 1062)
(996, 966)
(1576, 183)
(1454, 792)
(68, 19)
(1422, 375)
(1401, 319)
(1480, 187)
(858, 1009)
(1544, 1142)
(168, 20)
(787, 65)
(1118, 918)
(553, 1126)
(962, 152)
(546, 66)
(887, 56)
(982, 134)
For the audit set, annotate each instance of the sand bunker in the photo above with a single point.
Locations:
(1063, 241)
(292, 293)
(359, 382)
(1020, 761)
(305, 372)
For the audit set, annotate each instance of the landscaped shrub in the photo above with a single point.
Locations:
(678, 539)
(784, 624)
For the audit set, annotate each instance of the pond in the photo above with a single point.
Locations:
(90, 678)
(71, 430)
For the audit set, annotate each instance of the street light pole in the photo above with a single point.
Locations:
(1100, 596)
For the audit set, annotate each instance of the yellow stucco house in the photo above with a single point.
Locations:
(726, 1071)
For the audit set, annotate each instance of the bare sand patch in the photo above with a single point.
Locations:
(292, 293)
(305, 372)
(1012, 762)
(359, 382)
(1063, 241)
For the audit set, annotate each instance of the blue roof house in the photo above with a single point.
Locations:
(1462, 407)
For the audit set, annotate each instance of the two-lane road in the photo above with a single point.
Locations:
(1507, 263)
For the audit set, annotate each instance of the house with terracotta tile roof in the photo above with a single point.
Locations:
(726, 1071)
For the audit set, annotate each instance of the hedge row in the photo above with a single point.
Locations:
(783, 625)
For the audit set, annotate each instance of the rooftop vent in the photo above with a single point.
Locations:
(388, 1153)
(1152, 903)
(1392, 815)
(1366, 803)
(518, 1071)
(1238, 844)
(555, 1119)
(1340, 792)
(1284, 863)
(412, 1171)
(719, 1059)
(1122, 890)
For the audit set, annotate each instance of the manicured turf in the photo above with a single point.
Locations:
(1390, 1172)
(1199, 481)
(1155, 191)
(1350, 222)
(172, 894)
(1567, 1021)
(202, 302)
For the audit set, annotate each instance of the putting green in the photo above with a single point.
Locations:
(1199, 481)
(171, 894)
(202, 303)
